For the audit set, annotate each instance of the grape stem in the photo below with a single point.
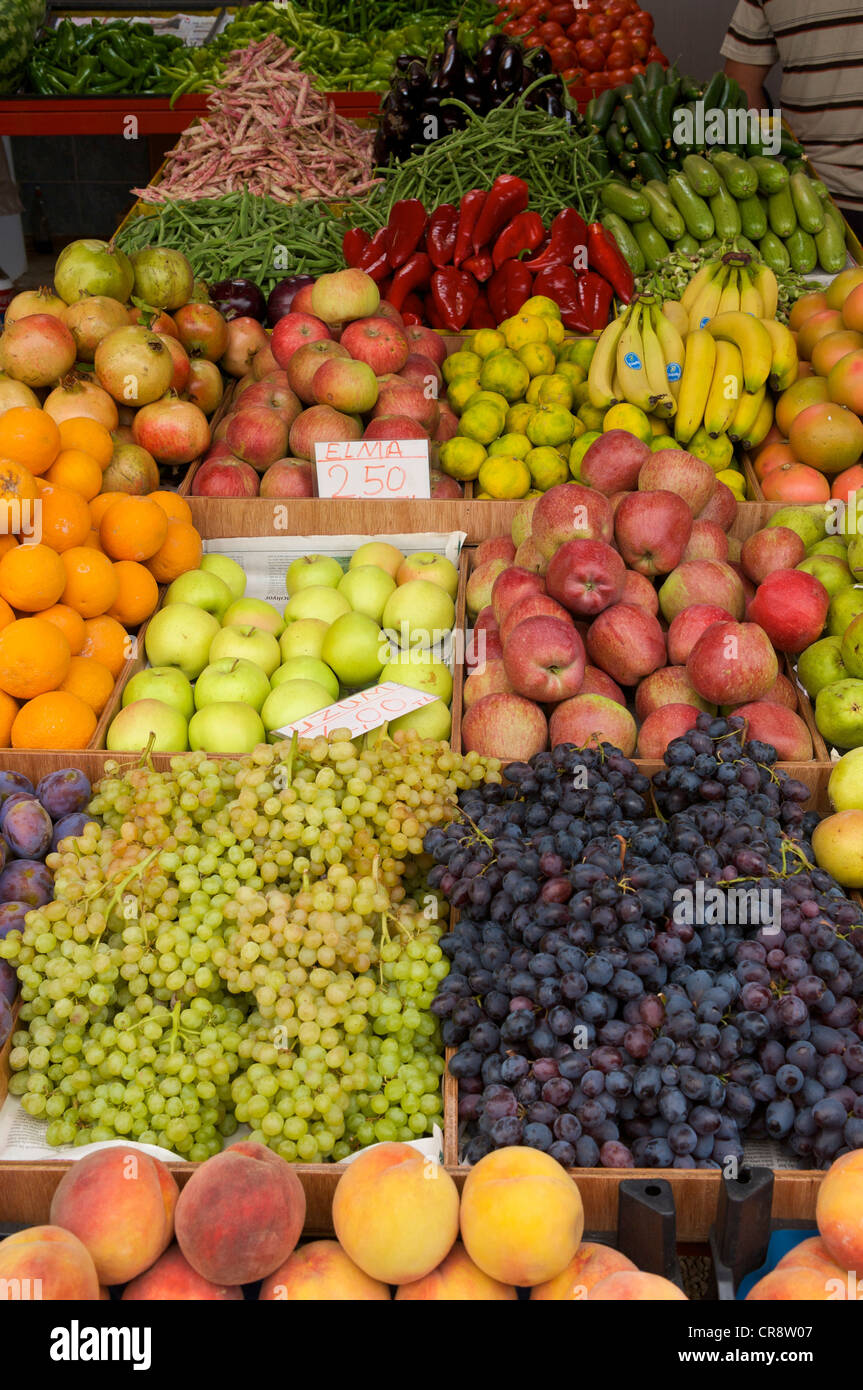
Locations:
(124, 882)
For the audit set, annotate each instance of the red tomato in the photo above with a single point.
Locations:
(599, 24)
(620, 55)
(640, 46)
(635, 21)
(656, 55)
(501, 18)
(590, 55)
(598, 81)
(578, 28)
(532, 41)
(618, 77)
(562, 14)
(615, 11)
(571, 76)
(563, 54)
(605, 41)
(637, 67)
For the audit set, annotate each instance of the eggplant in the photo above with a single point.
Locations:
(403, 95)
(282, 295)
(452, 71)
(553, 104)
(540, 62)
(509, 69)
(450, 38)
(403, 62)
(489, 55)
(417, 76)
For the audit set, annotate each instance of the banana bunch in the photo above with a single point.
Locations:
(731, 284)
(639, 358)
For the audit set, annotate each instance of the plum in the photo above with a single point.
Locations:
(64, 792)
(69, 825)
(5, 1021)
(27, 830)
(12, 917)
(8, 982)
(14, 782)
(26, 881)
(12, 800)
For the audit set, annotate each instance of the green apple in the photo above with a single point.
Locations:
(306, 668)
(435, 568)
(420, 671)
(249, 643)
(821, 664)
(430, 721)
(852, 647)
(830, 571)
(163, 683)
(227, 570)
(834, 545)
(381, 553)
(809, 522)
(226, 726)
(305, 637)
(418, 614)
(839, 713)
(131, 730)
(844, 606)
(254, 612)
(367, 589)
(317, 602)
(356, 649)
(845, 787)
(180, 635)
(854, 556)
(230, 680)
(291, 701)
(312, 571)
(204, 590)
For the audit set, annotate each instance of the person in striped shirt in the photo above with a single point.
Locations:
(819, 45)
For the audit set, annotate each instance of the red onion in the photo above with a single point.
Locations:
(238, 299)
(282, 296)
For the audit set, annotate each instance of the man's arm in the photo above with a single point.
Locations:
(751, 77)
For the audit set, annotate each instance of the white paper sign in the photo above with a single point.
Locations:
(368, 709)
(370, 468)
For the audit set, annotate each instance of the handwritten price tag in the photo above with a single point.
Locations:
(368, 709)
(370, 468)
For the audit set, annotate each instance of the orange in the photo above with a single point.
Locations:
(107, 641)
(30, 437)
(90, 681)
(7, 543)
(88, 436)
(17, 489)
(34, 658)
(31, 577)
(70, 623)
(175, 507)
(6, 614)
(100, 505)
(74, 469)
(138, 593)
(8, 710)
(93, 542)
(133, 528)
(64, 517)
(91, 584)
(55, 720)
(181, 550)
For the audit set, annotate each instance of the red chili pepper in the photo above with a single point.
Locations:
(407, 223)
(413, 275)
(384, 286)
(354, 243)
(412, 310)
(454, 293)
(604, 255)
(560, 283)
(441, 234)
(508, 195)
(374, 260)
(469, 209)
(508, 288)
(595, 295)
(481, 315)
(524, 232)
(567, 232)
(481, 266)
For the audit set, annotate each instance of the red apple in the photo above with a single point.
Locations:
(570, 512)
(479, 586)
(385, 310)
(304, 363)
(485, 619)
(701, 581)
(772, 548)
(320, 424)
(217, 450)
(651, 530)
(613, 462)
(626, 642)
(442, 486)
(302, 300)
(377, 341)
(395, 427)
(671, 685)
(504, 726)
(732, 663)
(426, 342)
(512, 584)
(721, 507)
(294, 331)
(674, 470)
(662, 726)
(746, 582)
(488, 679)
(219, 478)
(447, 425)
(781, 692)
(780, 727)
(544, 659)
(638, 589)
(585, 576)
(596, 682)
(527, 557)
(495, 548)
(533, 606)
(791, 606)
(589, 720)
(422, 372)
(288, 478)
(258, 436)
(685, 630)
(484, 644)
(707, 541)
(398, 397)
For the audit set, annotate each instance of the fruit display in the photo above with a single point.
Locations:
(227, 671)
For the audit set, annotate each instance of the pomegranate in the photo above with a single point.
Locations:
(132, 469)
(172, 431)
(204, 386)
(37, 350)
(202, 330)
(225, 478)
(181, 363)
(134, 365)
(93, 267)
(78, 396)
(157, 323)
(90, 320)
(163, 277)
(245, 337)
(41, 301)
(123, 435)
(14, 393)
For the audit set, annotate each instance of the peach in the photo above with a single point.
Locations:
(456, 1279)
(589, 1265)
(811, 1254)
(47, 1263)
(839, 1211)
(321, 1271)
(395, 1212)
(521, 1216)
(120, 1203)
(240, 1215)
(626, 1286)
(791, 1285)
(173, 1280)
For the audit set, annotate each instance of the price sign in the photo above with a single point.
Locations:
(368, 709)
(370, 468)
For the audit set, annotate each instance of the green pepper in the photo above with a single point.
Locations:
(86, 71)
(118, 66)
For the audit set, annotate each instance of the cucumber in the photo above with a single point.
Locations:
(694, 211)
(649, 167)
(773, 253)
(641, 125)
(654, 76)
(603, 109)
(740, 178)
(711, 244)
(753, 217)
(726, 213)
(663, 214)
(742, 243)
(772, 176)
(613, 140)
(715, 92)
(687, 244)
(780, 213)
(807, 205)
(654, 247)
(802, 250)
(830, 245)
(624, 201)
(663, 105)
(631, 142)
(629, 247)
(703, 178)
